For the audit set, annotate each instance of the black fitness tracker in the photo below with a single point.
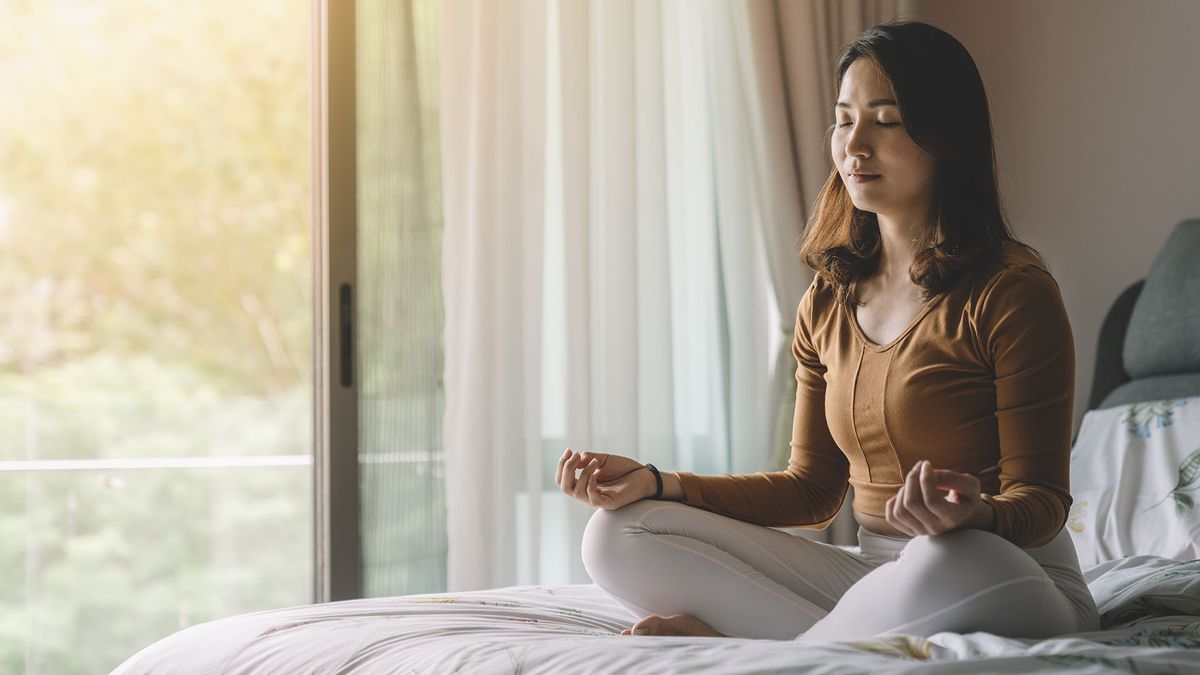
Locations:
(657, 479)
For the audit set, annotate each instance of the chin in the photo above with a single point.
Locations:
(870, 208)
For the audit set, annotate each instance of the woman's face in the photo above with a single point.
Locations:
(870, 138)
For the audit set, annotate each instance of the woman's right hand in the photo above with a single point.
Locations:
(607, 481)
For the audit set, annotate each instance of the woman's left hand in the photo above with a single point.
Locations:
(921, 507)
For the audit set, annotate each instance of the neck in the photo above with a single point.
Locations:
(898, 240)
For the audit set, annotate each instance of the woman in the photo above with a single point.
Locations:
(935, 375)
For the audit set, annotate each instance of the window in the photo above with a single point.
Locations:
(155, 356)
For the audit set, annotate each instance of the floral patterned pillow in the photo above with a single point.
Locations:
(1135, 480)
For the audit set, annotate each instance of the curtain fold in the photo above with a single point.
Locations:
(624, 200)
(492, 117)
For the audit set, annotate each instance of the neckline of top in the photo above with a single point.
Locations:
(869, 344)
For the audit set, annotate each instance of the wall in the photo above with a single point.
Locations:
(1096, 112)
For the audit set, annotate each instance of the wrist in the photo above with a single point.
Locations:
(984, 517)
(655, 484)
(672, 489)
(648, 481)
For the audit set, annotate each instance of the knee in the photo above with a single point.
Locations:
(964, 541)
(605, 535)
(971, 552)
(598, 534)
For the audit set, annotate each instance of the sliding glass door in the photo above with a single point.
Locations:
(220, 357)
(381, 525)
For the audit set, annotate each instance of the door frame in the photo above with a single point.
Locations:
(337, 540)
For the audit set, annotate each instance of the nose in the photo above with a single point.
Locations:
(858, 140)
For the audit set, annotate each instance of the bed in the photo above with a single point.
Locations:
(1135, 476)
(576, 629)
(1149, 603)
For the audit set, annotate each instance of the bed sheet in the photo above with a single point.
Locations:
(1150, 611)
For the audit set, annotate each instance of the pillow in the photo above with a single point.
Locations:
(1135, 481)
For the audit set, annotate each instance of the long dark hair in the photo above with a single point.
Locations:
(945, 110)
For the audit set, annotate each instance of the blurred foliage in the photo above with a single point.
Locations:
(154, 230)
(154, 189)
(113, 560)
(154, 233)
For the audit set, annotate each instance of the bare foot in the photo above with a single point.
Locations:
(676, 624)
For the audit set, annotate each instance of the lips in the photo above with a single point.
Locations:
(863, 177)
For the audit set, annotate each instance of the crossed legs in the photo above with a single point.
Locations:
(745, 580)
(962, 581)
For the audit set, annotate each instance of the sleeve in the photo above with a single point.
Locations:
(1025, 332)
(810, 491)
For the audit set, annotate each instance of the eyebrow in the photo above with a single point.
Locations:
(873, 104)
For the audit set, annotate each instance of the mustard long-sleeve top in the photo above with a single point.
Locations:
(983, 375)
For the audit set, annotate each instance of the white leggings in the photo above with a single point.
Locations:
(749, 581)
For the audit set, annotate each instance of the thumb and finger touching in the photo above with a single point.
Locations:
(961, 487)
(604, 480)
(939, 495)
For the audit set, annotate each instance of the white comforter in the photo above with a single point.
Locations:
(1150, 608)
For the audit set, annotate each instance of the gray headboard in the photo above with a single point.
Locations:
(1149, 346)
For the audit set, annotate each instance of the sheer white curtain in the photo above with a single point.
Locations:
(622, 211)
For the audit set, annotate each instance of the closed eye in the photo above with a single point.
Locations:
(882, 124)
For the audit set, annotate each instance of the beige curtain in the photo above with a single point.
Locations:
(624, 188)
(788, 51)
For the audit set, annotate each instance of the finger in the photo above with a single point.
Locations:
(931, 520)
(585, 478)
(601, 460)
(903, 514)
(940, 510)
(587, 456)
(889, 508)
(966, 484)
(558, 472)
(568, 478)
(889, 513)
(595, 498)
(914, 502)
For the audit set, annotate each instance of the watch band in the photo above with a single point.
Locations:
(657, 480)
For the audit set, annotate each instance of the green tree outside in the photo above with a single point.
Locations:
(154, 237)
